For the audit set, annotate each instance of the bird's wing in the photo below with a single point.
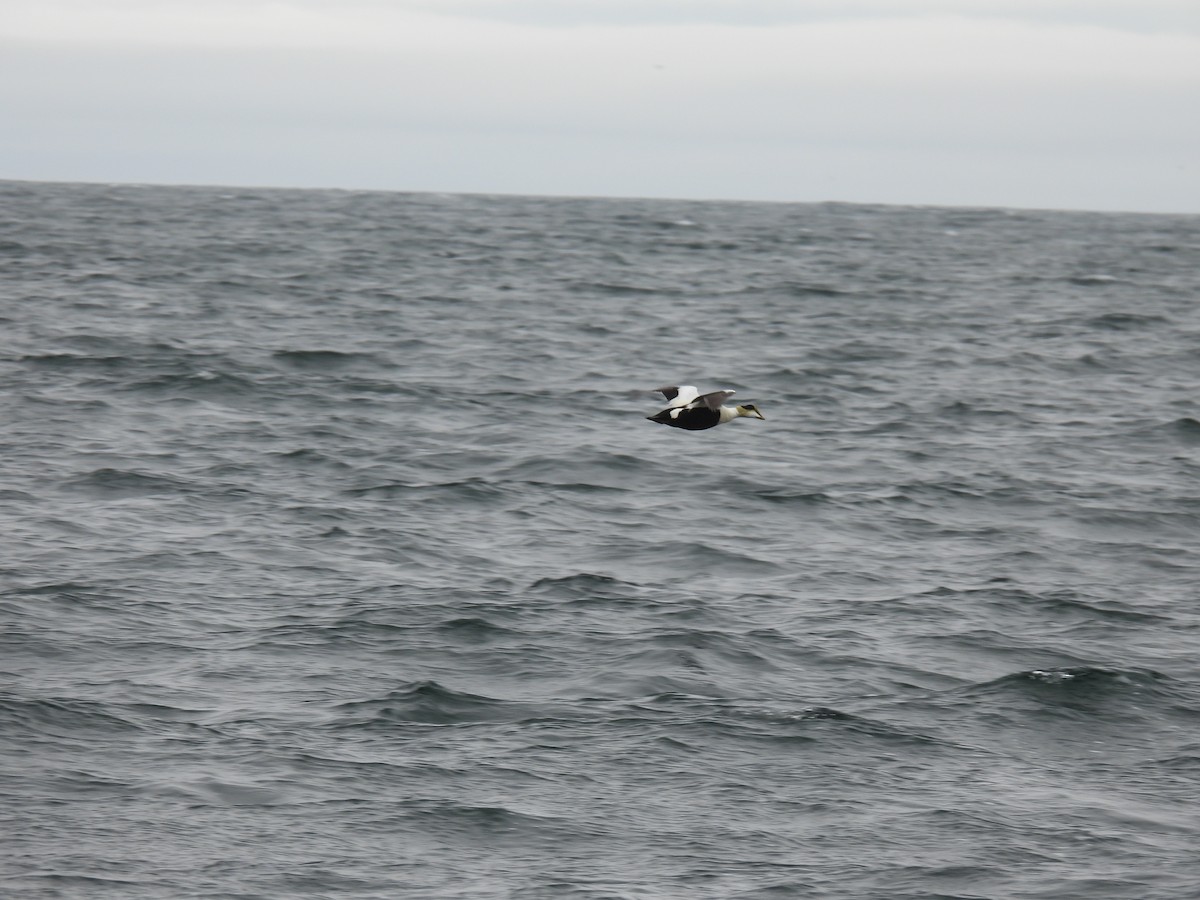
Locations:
(712, 401)
(681, 395)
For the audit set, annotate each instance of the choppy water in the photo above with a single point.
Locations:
(339, 560)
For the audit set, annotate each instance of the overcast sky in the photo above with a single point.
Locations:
(1082, 104)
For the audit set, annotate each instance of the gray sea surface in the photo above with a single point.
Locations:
(338, 559)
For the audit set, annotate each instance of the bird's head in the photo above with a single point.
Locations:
(750, 410)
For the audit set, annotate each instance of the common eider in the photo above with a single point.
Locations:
(695, 411)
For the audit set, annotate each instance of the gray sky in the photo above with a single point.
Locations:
(1082, 104)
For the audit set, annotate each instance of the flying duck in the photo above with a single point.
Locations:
(687, 408)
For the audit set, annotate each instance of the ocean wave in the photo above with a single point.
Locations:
(64, 718)
(1074, 691)
(583, 585)
(81, 362)
(469, 489)
(323, 360)
(119, 483)
(429, 703)
(1124, 321)
(475, 630)
(798, 496)
(1184, 429)
(494, 820)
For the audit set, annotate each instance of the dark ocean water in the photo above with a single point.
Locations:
(339, 560)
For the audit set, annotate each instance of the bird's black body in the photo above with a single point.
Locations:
(695, 419)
